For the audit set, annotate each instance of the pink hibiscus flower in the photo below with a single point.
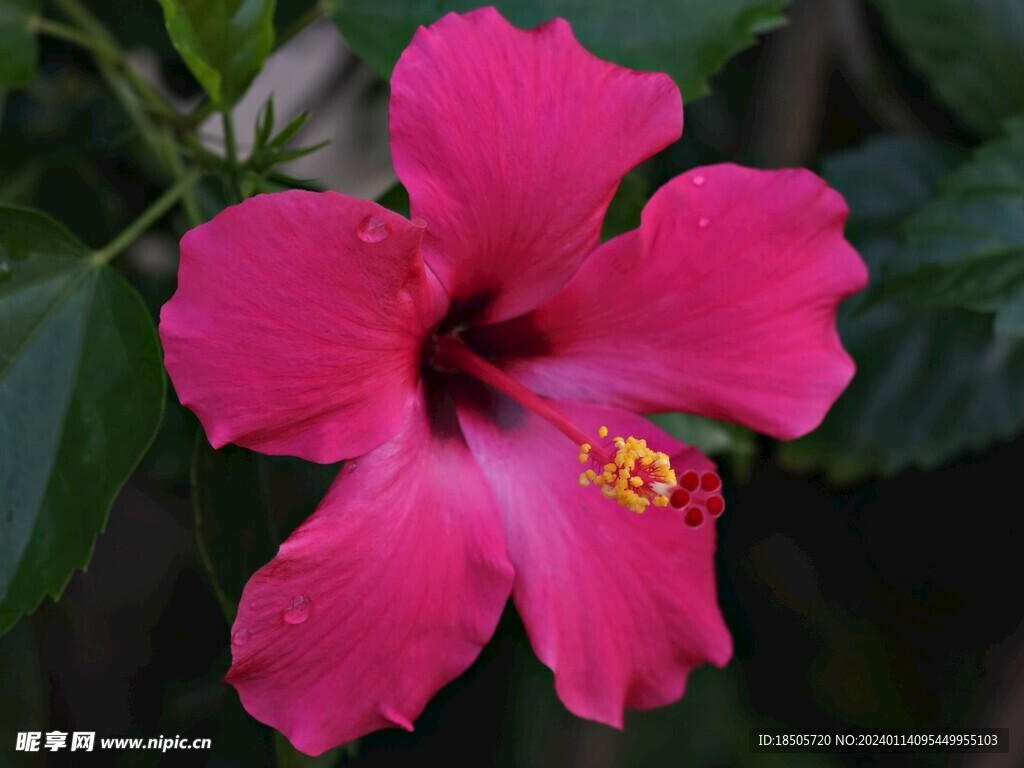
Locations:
(458, 359)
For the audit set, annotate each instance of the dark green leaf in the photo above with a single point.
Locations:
(711, 437)
(625, 208)
(19, 50)
(24, 694)
(223, 42)
(264, 125)
(245, 504)
(395, 198)
(930, 383)
(295, 154)
(295, 125)
(972, 52)
(81, 396)
(965, 249)
(689, 39)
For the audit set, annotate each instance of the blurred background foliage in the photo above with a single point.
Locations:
(866, 570)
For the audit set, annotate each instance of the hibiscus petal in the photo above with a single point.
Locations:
(511, 144)
(621, 606)
(385, 594)
(722, 304)
(297, 324)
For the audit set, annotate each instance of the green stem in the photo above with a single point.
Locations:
(74, 36)
(94, 37)
(189, 203)
(227, 606)
(150, 216)
(231, 153)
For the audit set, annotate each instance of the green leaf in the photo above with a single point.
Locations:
(395, 198)
(81, 397)
(710, 436)
(625, 208)
(688, 39)
(966, 248)
(245, 504)
(24, 693)
(971, 51)
(223, 42)
(930, 383)
(19, 50)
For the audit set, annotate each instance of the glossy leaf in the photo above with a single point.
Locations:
(966, 248)
(81, 396)
(971, 51)
(19, 50)
(689, 39)
(223, 42)
(930, 383)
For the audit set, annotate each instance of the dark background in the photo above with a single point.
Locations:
(893, 602)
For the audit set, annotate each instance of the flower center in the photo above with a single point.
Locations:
(626, 469)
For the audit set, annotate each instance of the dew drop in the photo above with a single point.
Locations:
(350, 465)
(240, 637)
(419, 223)
(698, 181)
(703, 223)
(298, 610)
(373, 230)
(5, 270)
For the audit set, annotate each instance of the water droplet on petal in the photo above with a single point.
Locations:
(698, 181)
(298, 610)
(419, 223)
(240, 637)
(703, 223)
(350, 465)
(373, 230)
(5, 270)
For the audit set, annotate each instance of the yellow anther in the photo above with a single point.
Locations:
(633, 473)
(602, 432)
(583, 458)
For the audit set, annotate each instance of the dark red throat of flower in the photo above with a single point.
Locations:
(625, 469)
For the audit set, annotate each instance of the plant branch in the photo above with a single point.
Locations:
(146, 219)
(231, 153)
